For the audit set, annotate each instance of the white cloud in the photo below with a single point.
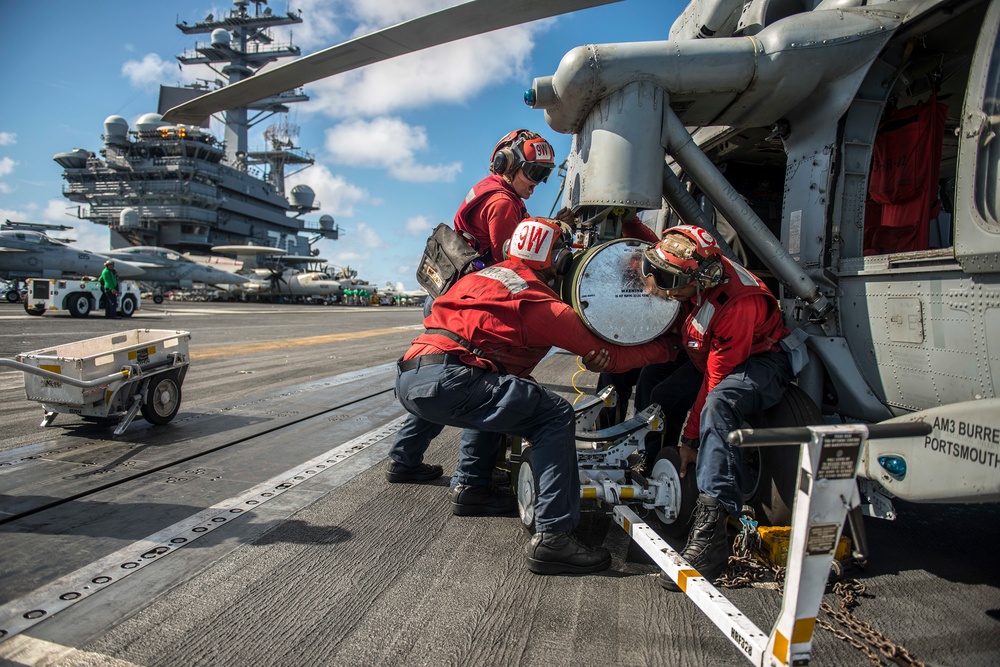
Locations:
(8, 138)
(451, 73)
(320, 28)
(150, 71)
(6, 169)
(11, 214)
(336, 196)
(387, 143)
(418, 225)
(325, 18)
(366, 237)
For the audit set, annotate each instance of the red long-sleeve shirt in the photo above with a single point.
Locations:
(514, 318)
(732, 339)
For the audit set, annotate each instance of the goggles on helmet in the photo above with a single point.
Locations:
(665, 280)
(536, 172)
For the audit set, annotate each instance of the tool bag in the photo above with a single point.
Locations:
(447, 257)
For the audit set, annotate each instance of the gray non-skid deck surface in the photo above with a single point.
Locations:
(380, 574)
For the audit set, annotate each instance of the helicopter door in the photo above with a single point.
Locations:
(977, 224)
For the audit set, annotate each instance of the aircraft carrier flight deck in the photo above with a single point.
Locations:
(257, 527)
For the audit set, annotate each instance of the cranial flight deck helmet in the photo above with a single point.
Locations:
(685, 253)
(524, 150)
(541, 243)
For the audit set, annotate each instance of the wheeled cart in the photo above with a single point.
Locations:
(113, 376)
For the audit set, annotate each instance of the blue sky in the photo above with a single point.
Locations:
(397, 144)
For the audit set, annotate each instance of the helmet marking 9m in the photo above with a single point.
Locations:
(541, 243)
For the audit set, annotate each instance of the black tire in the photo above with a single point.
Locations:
(157, 299)
(773, 495)
(163, 399)
(525, 491)
(78, 304)
(667, 465)
(12, 296)
(128, 306)
(31, 310)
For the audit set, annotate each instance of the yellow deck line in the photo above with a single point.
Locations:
(238, 349)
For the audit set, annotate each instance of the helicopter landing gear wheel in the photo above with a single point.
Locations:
(163, 399)
(667, 466)
(526, 491)
(777, 469)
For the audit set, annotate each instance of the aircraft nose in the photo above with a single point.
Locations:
(127, 270)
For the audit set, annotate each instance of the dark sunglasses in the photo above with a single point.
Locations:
(664, 280)
(535, 172)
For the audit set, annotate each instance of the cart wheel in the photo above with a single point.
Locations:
(33, 310)
(128, 306)
(12, 296)
(157, 299)
(78, 304)
(163, 399)
(667, 466)
(526, 491)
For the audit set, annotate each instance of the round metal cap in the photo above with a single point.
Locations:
(605, 289)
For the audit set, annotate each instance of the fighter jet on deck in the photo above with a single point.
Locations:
(166, 268)
(33, 254)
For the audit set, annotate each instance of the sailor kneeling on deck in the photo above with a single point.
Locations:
(741, 360)
(471, 369)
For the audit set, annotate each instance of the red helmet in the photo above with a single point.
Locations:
(525, 150)
(685, 253)
(541, 243)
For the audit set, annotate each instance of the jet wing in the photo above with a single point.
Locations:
(447, 25)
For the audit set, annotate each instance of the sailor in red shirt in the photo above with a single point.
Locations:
(471, 369)
(520, 161)
(731, 327)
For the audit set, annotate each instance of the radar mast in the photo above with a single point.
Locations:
(241, 43)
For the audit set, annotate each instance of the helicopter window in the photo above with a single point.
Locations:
(911, 188)
(988, 164)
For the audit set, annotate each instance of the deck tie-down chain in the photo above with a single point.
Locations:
(744, 569)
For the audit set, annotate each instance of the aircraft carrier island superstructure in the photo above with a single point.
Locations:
(177, 186)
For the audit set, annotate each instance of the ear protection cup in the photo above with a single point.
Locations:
(503, 161)
(506, 249)
(711, 272)
(563, 261)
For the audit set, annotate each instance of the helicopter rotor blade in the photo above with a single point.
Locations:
(465, 20)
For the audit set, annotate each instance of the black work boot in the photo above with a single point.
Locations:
(490, 499)
(396, 472)
(707, 549)
(562, 553)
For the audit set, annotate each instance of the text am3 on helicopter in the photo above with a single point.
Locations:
(862, 173)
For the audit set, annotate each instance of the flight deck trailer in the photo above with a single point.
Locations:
(78, 297)
(109, 377)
